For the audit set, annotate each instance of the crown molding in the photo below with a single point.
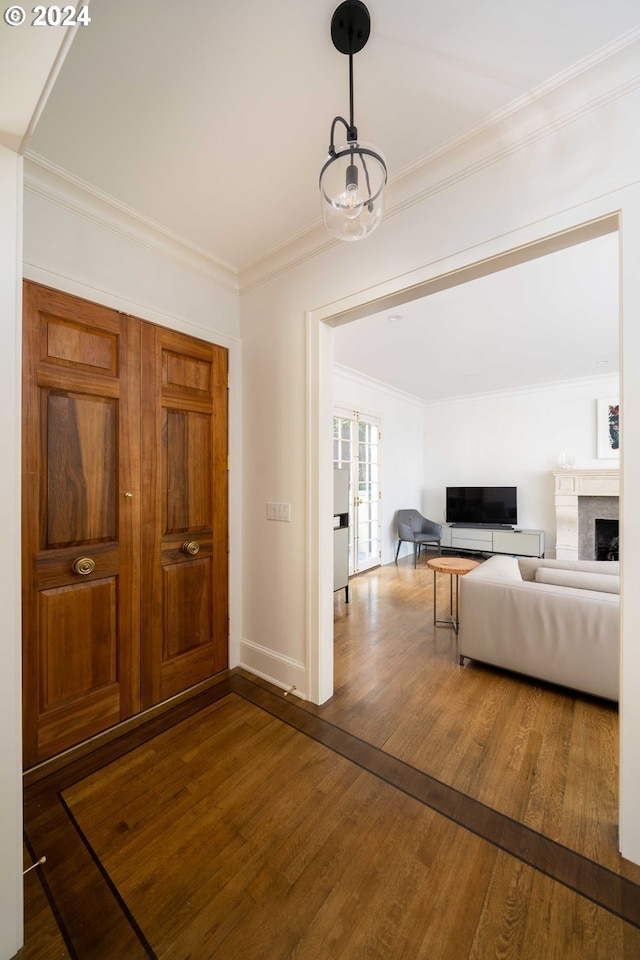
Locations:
(597, 382)
(602, 382)
(363, 380)
(606, 76)
(55, 185)
(561, 81)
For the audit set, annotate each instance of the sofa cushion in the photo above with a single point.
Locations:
(529, 566)
(602, 582)
(497, 567)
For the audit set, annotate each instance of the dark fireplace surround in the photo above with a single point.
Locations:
(598, 514)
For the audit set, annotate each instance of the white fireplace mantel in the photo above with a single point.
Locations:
(570, 485)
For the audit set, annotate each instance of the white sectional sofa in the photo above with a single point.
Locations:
(555, 620)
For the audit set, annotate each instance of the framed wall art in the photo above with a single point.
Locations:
(608, 428)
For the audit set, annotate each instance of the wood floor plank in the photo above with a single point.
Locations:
(527, 916)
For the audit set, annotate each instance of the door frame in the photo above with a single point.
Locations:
(490, 257)
(588, 221)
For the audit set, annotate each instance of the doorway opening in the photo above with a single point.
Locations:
(320, 329)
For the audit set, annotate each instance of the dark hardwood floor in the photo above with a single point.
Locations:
(426, 811)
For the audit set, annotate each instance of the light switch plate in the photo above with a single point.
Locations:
(278, 511)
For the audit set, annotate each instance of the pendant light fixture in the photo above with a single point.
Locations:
(353, 178)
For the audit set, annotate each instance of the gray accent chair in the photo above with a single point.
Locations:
(416, 529)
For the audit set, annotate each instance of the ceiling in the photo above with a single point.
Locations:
(548, 320)
(211, 120)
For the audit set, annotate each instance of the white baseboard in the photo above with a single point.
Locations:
(281, 671)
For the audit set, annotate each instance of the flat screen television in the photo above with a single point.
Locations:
(482, 505)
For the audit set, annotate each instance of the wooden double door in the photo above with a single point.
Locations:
(125, 543)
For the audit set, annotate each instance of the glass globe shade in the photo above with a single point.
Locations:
(352, 185)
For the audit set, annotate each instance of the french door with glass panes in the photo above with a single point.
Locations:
(356, 446)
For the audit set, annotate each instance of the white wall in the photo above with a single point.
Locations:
(571, 158)
(513, 439)
(401, 447)
(76, 242)
(10, 642)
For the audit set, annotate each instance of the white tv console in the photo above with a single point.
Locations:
(521, 543)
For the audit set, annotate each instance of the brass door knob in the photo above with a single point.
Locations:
(191, 547)
(83, 566)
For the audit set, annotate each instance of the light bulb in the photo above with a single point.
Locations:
(351, 201)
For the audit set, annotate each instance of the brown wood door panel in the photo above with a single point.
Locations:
(187, 606)
(78, 684)
(79, 475)
(68, 341)
(187, 501)
(184, 456)
(81, 412)
(70, 670)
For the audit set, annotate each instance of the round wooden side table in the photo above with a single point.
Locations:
(455, 567)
